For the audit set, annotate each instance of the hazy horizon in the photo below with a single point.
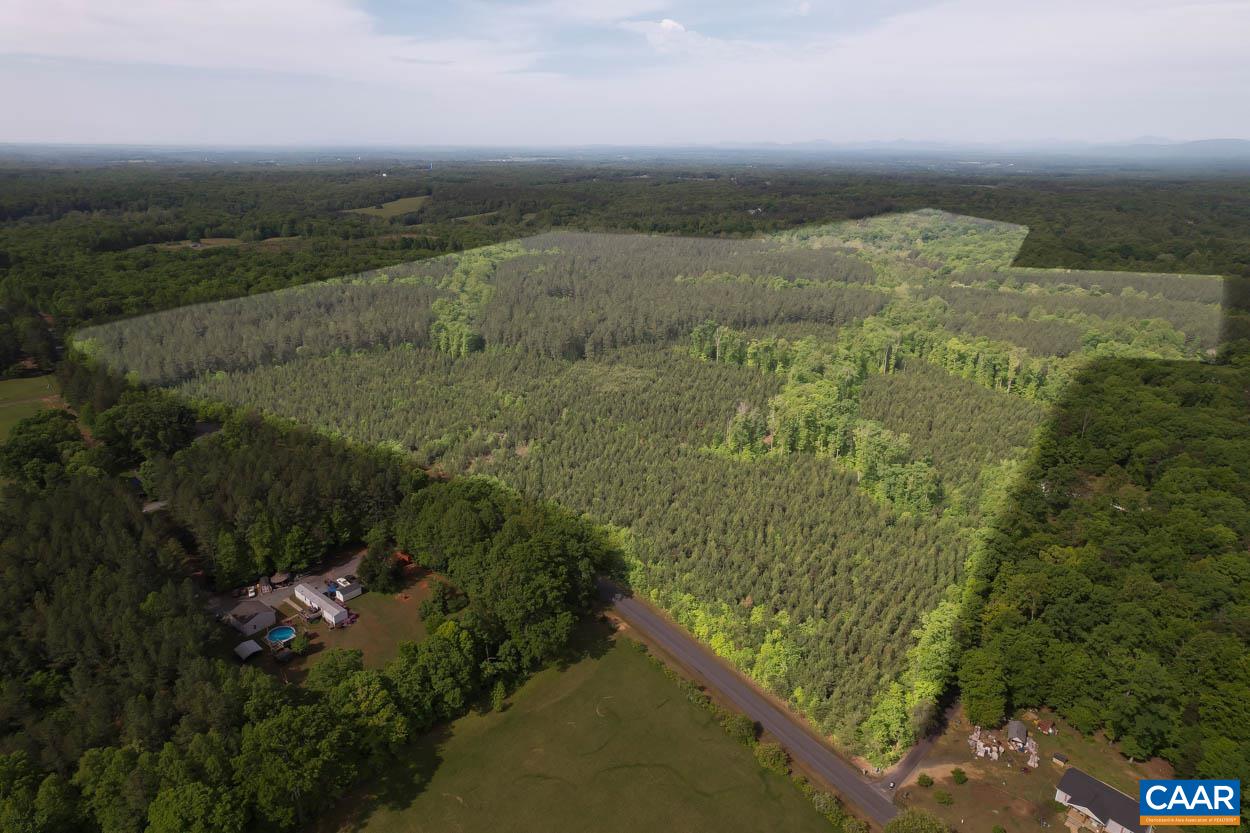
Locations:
(646, 73)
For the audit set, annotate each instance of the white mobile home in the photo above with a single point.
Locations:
(331, 611)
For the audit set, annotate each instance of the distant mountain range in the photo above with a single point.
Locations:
(1145, 147)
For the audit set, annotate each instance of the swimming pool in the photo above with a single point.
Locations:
(281, 634)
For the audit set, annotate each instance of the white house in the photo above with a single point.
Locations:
(331, 611)
(251, 616)
(1097, 806)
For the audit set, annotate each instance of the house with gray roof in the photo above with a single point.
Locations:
(250, 616)
(1097, 806)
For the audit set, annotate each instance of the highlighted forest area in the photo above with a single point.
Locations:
(800, 442)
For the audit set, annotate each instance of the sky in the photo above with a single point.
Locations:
(621, 72)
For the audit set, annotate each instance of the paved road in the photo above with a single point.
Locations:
(785, 727)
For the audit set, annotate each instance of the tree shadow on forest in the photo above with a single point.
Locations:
(1118, 426)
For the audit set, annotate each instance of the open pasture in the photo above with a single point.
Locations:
(604, 744)
(20, 398)
(394, 208)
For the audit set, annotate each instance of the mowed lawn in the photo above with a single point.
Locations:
(394, 208)
(385, 621)
(605, 744)
(20, 398)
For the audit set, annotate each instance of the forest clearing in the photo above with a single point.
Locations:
(1006, 794)
(394, 208)
(20, 398)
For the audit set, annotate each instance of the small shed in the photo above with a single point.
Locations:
(279, 579)
(1059, 759)
(247, 649)
(1047, 727)
(1017, 734)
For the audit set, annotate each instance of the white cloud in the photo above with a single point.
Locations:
(317, 37)
(591, 11)
(321, 71)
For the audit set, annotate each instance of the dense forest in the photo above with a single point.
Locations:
(1115, 584)
(841, 454)
(85, 244)
(806, 416)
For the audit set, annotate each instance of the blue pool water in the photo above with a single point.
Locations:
(282, 634)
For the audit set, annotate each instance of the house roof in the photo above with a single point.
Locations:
(328, 605)
(247, 648)
(1015, 729)
(247, 609)
(1103, 801)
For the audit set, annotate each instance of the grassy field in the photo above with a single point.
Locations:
(1002, 793)
(385, 621)
(202, 243)
(394, 208)
(20, 398)
(606, 743)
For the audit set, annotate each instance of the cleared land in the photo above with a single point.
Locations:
(394, 208)
(605, 744)
(20, 398)
(1001, 792)
(385, 621)
(202, 243)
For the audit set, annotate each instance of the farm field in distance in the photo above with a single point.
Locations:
(604, 744)
(772, 426)
(394, 208)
